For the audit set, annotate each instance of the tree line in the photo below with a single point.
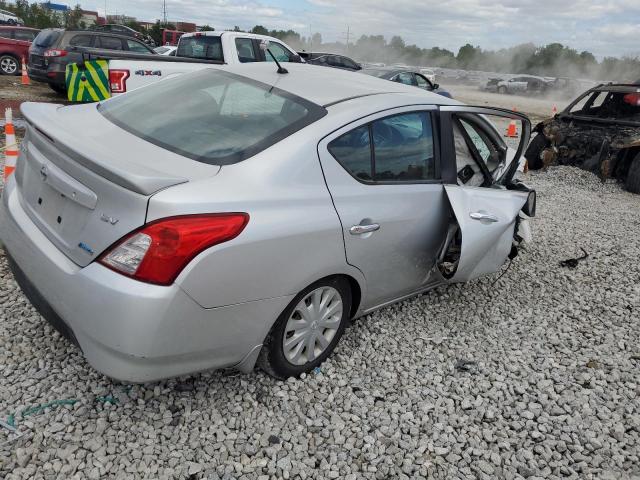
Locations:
(553, 59)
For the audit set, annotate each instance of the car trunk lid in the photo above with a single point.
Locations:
(86, 183)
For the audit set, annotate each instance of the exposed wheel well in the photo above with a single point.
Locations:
(356, 294)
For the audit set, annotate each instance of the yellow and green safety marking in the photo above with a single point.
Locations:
(88, 84)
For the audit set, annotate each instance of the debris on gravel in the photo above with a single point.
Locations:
(537, 376)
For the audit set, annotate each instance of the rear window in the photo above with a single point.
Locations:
(216, 117)
(200, 47)
(47, 38)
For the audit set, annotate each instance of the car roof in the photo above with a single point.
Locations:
(329, 86)
(230, 33)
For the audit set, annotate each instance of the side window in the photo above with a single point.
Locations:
(24, 35)
(5, 33)
(246, 52)
(281, 53)
(422, 82)
(136, 47)
(403, 148)
(353, 151)
(404, 77)
(81, 41)
(347, 62)
(394, 149)
(478, 159)
(109, 43)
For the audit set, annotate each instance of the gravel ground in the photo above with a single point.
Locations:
(535, 376)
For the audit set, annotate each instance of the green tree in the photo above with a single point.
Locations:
(206, 28)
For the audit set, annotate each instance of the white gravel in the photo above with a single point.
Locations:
(537, 376)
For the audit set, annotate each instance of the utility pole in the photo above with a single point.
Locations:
(164, 12)
(348, 36)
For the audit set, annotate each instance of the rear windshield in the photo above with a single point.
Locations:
(214, 117)
(201, 46)
(46, 38)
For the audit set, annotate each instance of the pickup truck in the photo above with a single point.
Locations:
(196, 51)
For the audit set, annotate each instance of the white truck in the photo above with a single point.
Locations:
(195, 51)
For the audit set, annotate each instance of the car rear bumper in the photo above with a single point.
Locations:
(46, 75)
(129, 330)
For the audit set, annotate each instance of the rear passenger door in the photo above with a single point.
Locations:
(383, 173)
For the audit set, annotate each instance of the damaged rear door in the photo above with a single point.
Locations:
(485, 199)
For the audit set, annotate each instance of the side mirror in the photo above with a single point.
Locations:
(436, 86)
(529, 207)
(296, 59)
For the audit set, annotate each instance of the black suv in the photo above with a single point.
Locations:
(330, 60)
(123, 30)
(50, 52)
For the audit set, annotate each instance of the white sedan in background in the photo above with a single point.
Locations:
(166, 50)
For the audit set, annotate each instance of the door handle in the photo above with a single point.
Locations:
(483, 216)
(362, 229)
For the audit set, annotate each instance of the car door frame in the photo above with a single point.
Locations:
(490, 231)
(431, 278)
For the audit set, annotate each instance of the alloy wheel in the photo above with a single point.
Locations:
(8, 65)
(312, 325)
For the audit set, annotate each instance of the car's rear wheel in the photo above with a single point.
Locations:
(9, 65)
(632, 183)
(308, 330)
(58, 88)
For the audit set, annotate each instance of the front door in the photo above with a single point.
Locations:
(484, 199)
(383, 173)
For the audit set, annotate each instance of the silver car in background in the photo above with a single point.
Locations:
(252, 220)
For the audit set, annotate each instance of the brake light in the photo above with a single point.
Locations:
(118, 80)
(632, 99)
(54, 52)
(160, 250)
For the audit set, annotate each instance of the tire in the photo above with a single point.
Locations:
(537, 145)
(632, 183)
(502, 90)
(9, 65)
(280, 362)
(58, 88)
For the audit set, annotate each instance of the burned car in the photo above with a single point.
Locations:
(599, 132)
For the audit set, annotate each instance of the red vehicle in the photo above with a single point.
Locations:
(14, 46)
(171, 37)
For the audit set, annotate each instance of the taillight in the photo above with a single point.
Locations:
(55, 53)
(159, 251)
(632, 99)
(118, 80)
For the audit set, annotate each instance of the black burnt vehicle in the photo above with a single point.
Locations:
(599, 132)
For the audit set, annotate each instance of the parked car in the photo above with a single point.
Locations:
(50, 52)
(599, 131)
(204, 48)
(10, 18)
(330, 60)
(166, 50)
(14, 46)
(258, 215)
(406, 76)
(124, 30)
(523, 84)
(429, 74)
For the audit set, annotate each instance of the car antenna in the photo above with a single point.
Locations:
(264, 45)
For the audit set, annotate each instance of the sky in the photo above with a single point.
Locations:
(605, 27)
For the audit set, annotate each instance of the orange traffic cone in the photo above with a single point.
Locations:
(512, 130)
(554, 111)
(11, 147)
(25, 76)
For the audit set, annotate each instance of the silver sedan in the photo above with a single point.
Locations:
(238, 215)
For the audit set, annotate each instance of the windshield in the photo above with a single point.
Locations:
(46, 38)
(216, 117)
(200, 47)
(609, 105)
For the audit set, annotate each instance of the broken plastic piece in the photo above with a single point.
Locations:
(573, 262)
